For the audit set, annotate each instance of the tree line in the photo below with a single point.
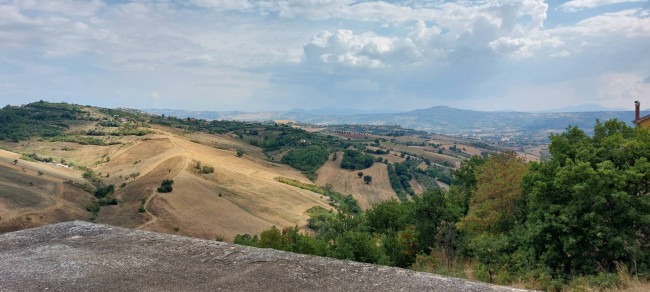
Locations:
(582, 216)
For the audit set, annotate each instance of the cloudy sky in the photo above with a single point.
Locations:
(262, 55)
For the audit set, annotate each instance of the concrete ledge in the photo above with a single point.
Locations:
(82, 256)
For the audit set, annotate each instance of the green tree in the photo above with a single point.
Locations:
(357, 246)
(429, 210)
(360, 174)
(367, 179)
(465, 178)
(388, 217)
(588, 206)
(166, 186)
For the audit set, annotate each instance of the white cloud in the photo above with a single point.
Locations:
(346, 48)
(562, 53)
(155, 95)
(577, 5)
(231, 52)
(11, 14)
(627, 23)
(65, 7)
(224, 5)
(617, 89)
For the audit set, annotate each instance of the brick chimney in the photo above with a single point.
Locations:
(637, 106)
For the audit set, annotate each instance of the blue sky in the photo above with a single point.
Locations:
(251, 55)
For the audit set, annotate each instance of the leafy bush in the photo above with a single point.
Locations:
(166, 186)
(104, 191)
(207, 169)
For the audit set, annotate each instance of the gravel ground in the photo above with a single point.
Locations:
(82, 256)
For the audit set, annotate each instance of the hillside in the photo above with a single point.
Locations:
(348, 182)
(118, 158)
(106, 148)
(106, 166)
(522, 127)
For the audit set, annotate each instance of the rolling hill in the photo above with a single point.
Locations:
(523, 127)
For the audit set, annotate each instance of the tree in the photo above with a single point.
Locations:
(166, 186)
(429, 210)
(465, 178)
(588, 205)
(497, 201)
(356, 246)
(367, 179)
(360, 174)
(307, 159)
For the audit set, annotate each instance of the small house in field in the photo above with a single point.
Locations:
(640, 121)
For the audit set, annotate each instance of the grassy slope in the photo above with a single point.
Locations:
(251, 199)
(348, 182)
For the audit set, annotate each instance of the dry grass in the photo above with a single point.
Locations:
(28, 199)
(348, 182)
(251, 200)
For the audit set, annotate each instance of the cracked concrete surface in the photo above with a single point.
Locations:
(81, 256)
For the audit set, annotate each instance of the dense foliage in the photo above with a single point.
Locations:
(104, 197)
(590, 201)
(307, 159)
(354, 159)
(41, 119)
(166, 186)
(577, 218)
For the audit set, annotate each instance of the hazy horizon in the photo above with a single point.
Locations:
(377, 56)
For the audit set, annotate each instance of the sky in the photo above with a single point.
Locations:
(270, 55)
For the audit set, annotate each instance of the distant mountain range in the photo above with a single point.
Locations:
(438, 119)
(589, 107)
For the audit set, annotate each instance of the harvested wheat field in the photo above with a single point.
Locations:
(241, 196)
(348, 182)
(29, 198)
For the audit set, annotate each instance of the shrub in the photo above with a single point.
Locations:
(166, 186)
(105, 191)
(207, 169)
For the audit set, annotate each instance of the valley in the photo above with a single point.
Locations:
(133, 153)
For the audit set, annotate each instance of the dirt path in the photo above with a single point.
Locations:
(154, 194)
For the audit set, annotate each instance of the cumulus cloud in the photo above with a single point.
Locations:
(229, 52)
(577, 5)
(367, 49)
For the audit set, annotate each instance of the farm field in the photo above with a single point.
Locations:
(349, 183)
(240, 196)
